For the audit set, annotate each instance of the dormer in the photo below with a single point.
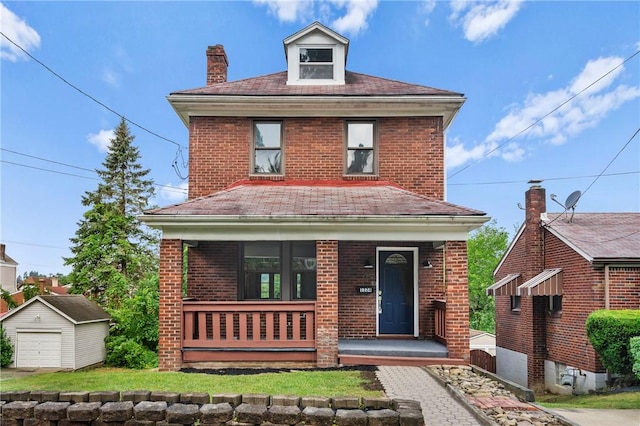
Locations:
(316, 55)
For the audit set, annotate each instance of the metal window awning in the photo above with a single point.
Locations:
(507, 286)
(546, 283)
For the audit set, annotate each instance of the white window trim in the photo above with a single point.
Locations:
(374, 148)
(252, 171)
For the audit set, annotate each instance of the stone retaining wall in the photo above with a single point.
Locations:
(144, 408)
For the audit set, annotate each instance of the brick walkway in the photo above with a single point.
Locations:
(438, 406)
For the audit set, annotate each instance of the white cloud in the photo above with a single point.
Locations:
(102, 139)
(483, 20)
(287, 10)
(20, 32)
(355, 20)
(174, 193)
(583, 112)
(457, 154)
(111, 77)
(425, 8)
(352, 15)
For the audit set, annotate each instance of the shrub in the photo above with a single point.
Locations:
(125, 352)
(610, 332)
(634, 345)
(6, 348)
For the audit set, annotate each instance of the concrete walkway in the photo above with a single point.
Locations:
(600, 417)
(439, 408)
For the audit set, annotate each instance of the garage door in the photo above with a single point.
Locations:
(39, 350)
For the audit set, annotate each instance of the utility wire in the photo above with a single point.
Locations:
(504, 182)
(543, 117)
(47, 160)
(165, 187)
(180, 147)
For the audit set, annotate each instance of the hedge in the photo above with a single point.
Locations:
(610, 332)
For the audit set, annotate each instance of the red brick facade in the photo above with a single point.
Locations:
(170, 318)
(410, 152)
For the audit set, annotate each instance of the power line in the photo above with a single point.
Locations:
(612, 160)
(165, 187)
(504, 182)
(47, 160)
(180, 147)
(35, 245)
(544, 116)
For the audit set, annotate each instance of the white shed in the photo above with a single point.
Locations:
(65, 331)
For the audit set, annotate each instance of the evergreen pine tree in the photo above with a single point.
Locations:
(112, 252)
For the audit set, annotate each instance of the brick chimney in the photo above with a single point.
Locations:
(217, 65)
(535, 205)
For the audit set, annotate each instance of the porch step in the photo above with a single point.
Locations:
(411, 361)
(406, 348)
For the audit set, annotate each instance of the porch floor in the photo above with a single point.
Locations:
(393, 347)
(407, 352)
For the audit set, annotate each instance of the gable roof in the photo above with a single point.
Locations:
(599, 237)
(316, 26)
(345, 210)
(356, 84)
(74, 307)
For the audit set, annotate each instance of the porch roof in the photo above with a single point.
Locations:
(297, 210)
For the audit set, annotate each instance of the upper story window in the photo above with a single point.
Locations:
(267, 147)
(361, 145)
(316, 63)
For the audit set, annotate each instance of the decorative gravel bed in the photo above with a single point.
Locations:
(492, 399)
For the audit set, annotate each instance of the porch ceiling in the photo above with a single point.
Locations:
(288, 210)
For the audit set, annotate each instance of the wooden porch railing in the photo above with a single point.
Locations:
(439, 312)
(248, 325)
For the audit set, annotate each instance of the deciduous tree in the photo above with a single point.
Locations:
(485, 248)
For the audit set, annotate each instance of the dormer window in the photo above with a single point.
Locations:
(316, 63)
(316, 56)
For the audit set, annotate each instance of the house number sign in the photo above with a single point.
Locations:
(365, 290)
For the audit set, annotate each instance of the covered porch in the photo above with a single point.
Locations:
(296, 282)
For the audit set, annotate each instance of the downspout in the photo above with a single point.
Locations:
(606, 287)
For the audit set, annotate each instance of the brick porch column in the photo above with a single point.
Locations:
(169, 345)
(457, 296)
(327, 303)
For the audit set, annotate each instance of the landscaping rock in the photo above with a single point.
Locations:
(104, 396)
(195, 398)
(168, 397)
(284, 415)
(216, 413)
(345, 402)
(314, 401)
(116, 411)
(384, 417)
(84, 411)
(73, 397)
(286, 400)
(250, 413)
(52, 411)
(184, 414)
(154, 411)
(233, 399)
(317, 416)
(136, 395)
(351, 418)
(18, 410)
(44, 396)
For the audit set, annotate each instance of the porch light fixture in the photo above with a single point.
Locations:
(367, 264)
(426, 264)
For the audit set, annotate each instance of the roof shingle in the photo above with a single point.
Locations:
(600, 235)
(315, 198)
(356, 84)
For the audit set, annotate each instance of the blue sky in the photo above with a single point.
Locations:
(524, 67)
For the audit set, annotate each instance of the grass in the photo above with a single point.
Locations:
(301, 383)
(622, 400)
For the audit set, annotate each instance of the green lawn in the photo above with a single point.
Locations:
(612, 400)
(302, 383)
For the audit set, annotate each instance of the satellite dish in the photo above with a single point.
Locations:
(572, 199)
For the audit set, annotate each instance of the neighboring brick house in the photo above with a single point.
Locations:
(316, 216)
(557, 270)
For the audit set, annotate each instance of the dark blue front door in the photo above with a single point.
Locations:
(395, 292)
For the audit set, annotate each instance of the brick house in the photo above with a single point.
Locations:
(316, 219)
(557, 270)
